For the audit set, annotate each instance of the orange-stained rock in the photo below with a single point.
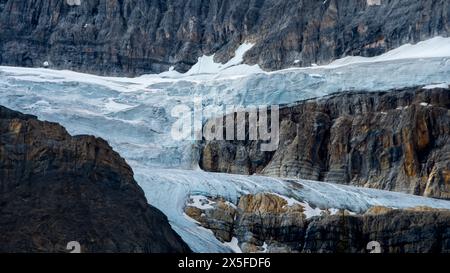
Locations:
(397, 140)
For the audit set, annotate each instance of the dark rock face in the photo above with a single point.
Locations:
(398, 141)
(55, 188)
(266, 223)
(397, 231)
(130, 37)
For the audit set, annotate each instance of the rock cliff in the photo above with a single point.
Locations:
(266, 222)
(55, 188)
(130, 37)
(398, 141)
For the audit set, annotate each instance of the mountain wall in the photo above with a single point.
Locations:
(131, 37)
(396, 140)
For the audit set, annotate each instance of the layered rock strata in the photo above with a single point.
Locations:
(397, 140)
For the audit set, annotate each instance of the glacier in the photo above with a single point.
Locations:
(134, 116)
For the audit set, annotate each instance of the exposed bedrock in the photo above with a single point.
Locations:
(397, 140)
(55, 188)
(131, 37)
(268, 223)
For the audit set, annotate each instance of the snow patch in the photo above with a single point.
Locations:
(402, 108)
(200, 202)
(333, 211)
(234, 67)
(436, 47)
(265, 248)
(309, 211)
(373, 2)
(73, 2)
(434, 86)
(233, 245)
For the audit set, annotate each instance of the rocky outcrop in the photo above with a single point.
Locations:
(130, 37)
(398, 141)
(266, 222)
(55, 188)
(396, 231)
(253, 221)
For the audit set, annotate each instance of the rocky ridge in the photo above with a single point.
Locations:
(55, 189)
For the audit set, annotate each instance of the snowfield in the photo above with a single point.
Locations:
(134, 116)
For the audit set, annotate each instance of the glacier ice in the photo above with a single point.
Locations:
(133, 114)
